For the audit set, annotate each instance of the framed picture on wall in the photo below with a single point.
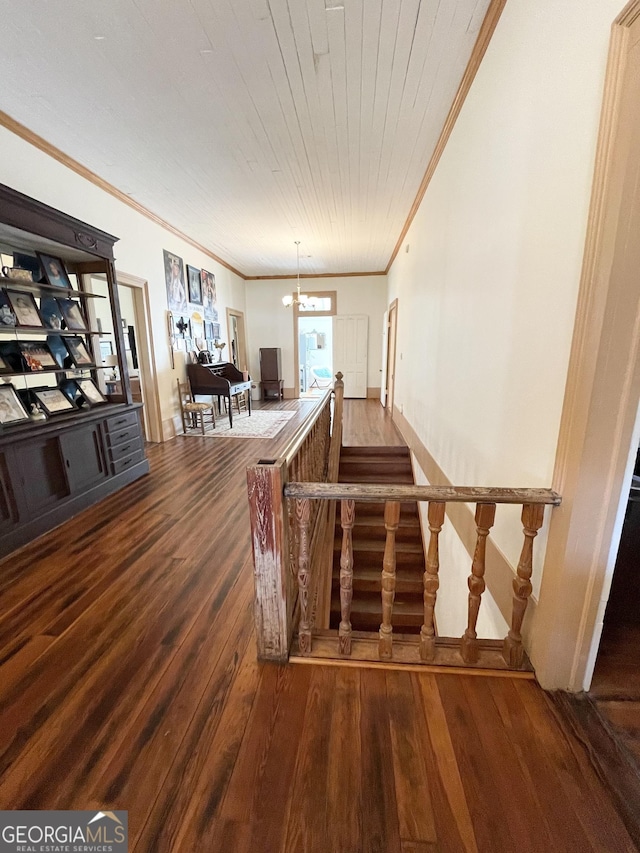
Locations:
(215, 331)
(195, 285)
(209, 296)
(174, 279)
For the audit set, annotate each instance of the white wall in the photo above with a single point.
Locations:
(271, 325)
(487, 292)
(138, 252)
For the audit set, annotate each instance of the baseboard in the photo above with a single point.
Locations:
(289, 393)
(499, 572)
(171, 427)
(373, 392)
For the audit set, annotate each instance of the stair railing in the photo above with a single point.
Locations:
(289, 540)
(467, 650)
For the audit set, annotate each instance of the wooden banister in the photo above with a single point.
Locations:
(435, 515)
(448, 494)
(485, 516)
(347, 517)
(391, 521)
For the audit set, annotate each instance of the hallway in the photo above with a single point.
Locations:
(128, 680)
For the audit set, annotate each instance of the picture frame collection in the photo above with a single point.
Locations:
(32, 307)
(192, 303)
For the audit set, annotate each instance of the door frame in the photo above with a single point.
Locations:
(146, 356)
(324, 294)
(392, 337)
(242, 335)
(599, 416)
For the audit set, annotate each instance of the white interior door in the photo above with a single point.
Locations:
(350, 341)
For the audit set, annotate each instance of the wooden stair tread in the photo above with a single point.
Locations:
(375, 450)
(377, 546)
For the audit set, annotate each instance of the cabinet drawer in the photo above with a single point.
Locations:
(122, 436)
(127, 462)
(126, 419)
(126, 448)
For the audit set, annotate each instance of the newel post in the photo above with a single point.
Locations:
(270, 541)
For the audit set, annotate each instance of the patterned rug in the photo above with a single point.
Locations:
(261, 424)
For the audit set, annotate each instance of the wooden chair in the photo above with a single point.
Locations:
(193, 414)
(240, 401)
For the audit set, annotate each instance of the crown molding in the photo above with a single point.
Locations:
(38, 142)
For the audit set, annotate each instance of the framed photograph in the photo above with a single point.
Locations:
(12, 410)
(195, 285)
(52, 400)
(7, 316)
(215, 331)
(54, 271)
(72, 313)
(90, 392)
(106, 349)
(37, 356)
(78, 352)
(208, 330)
(5, 367)
(174, 279)
(50, 312)
(24, 307)
(209, 296)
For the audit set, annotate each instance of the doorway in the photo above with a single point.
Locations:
(315, 361)
(392, 323)
(133, 297)
(237, 338)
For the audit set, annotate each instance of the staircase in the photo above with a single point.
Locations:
(390, 465)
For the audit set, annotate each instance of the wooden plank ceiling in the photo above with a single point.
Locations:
(248, 124)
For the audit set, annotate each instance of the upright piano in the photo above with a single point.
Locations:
(219, 380)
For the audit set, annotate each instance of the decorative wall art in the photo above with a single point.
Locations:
(195, 285)
(174, 278)
(209, 295)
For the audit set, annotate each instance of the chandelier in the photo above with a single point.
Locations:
(300, 298)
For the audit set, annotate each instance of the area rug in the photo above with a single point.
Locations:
(261, 424)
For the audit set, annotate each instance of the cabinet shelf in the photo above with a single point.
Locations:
(52, 370)
(48, 289)
(47, 330)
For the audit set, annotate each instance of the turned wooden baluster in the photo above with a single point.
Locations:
(512, 651)
(303, 511)
(431, 583)
(485, 515)
(391, 521)
(347, 517)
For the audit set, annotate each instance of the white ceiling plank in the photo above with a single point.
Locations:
(248, 124)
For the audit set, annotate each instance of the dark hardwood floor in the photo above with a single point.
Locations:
(128, 680)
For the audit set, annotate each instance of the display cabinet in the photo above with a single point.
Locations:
(65, 442)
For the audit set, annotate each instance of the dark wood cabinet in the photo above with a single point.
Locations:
(88, 445)
(271, 381)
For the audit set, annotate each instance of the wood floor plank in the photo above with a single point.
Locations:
(415, 810)
(452, 815)
(344, 790)
(380, 824)
(308, 819)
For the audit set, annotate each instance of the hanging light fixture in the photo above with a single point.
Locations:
(300, 298)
